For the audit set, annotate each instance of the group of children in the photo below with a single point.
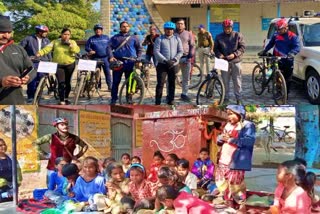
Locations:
(171, 185)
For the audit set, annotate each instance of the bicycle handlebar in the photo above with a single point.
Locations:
(210, 55)
(133, 59)
(276, 57)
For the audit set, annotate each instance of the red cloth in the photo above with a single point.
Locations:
(145, 190)
(186, 203)
(57, 149)
(153, 176)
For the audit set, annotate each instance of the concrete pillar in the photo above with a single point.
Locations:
(105, 16)
(308, 134)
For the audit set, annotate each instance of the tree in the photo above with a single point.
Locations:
(78, 15)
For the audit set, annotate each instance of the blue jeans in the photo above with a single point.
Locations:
(117, 75)
(106, 70)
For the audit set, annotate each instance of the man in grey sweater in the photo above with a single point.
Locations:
(188, 45)
(13, 62)
(168, 51)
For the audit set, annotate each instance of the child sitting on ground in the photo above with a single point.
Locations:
(140, 188)
(187, 177)
(71, 173)
(175, 202)
(89, 183)
(158, 161)
(106, 162)
(126, 162)
(171, 160)
(117, 189)
(135, 159)
(290, 195)
(203, 168)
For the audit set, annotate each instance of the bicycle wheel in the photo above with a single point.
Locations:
(279, 89)
(53, 86)
(195, 76)
(258, 79)
(211, 92)
(290, 137)
(133, 95)
(79, 89)
(39, 91)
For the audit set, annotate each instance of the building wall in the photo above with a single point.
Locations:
(250, 16)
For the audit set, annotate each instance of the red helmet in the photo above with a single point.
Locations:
(41, 28)
(59, 120)
(227, 23)
(281, 23)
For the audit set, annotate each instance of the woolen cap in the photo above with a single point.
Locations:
(5, 24)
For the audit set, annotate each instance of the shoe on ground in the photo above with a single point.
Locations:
(62, 103)
(171, 103)
(185, 98)
(226, 101)
(29, 100)
(239, 102)
(113, 102)
(67, 102)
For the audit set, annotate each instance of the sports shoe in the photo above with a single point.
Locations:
(185, 98)
(62, 103)
(171, 103)
(29, 100)
(113, 102)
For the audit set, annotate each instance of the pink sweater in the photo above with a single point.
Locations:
(297, 202)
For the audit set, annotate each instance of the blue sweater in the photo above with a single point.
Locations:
(57, 183)
(284, 44)
(242, 158)
(84, 191)
(132, 48)
(30, 44)
(99, 44)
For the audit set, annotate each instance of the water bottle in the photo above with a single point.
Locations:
(269, 72)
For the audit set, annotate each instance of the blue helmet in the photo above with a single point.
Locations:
(42, 28)
(169, 25)
(98, 26)
(238, 109)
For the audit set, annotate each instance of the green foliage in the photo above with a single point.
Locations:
(78, 15)
(2, 8)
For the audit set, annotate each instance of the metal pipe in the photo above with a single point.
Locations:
(14, 154)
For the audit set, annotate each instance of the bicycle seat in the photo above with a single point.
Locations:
(286, 127)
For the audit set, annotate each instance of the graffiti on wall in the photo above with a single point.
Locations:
(26, 128)
(176, 141)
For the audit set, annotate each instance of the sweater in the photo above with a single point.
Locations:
(13, 61)
(62, 54)
(167, 48)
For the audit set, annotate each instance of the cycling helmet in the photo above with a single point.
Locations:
(116, 65)
(59, 120)
(98, 26)
(227, 23)
(42, 28)
(281, 23)
(238, 109)
(169, 25)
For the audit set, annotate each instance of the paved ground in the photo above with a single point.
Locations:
(297, 96)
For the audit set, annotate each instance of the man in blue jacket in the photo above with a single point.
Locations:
(286, 44)
(32, 44)
(96, 46)
(123, 45)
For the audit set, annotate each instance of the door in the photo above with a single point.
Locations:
(121, 135)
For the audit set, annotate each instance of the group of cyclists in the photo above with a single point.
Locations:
(228, 45)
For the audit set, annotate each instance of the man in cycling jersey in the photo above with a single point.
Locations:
(286, 44)
(13, 62)
(32, 44)
(60, 144)
(168, 51)
(123, 45)
(96, 46)
(229, 45)
(185, 61)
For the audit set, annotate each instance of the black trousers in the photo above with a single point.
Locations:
(162, 72)
(64, 74)
(286, 66)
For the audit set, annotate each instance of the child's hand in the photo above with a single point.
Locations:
(71, 194)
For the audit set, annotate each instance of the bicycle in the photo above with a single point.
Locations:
(133, 89)
(48, 81)
(260, 79)
(88, 82)
(195, 78)
(211, 90)
(283, 135)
